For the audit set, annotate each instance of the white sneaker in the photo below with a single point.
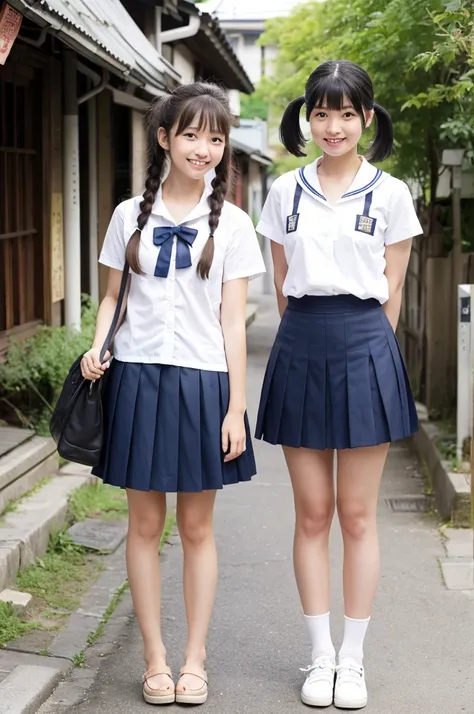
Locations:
(318, 689)
(350, 691)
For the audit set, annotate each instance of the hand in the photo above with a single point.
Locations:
(91, 367)
(233, 435)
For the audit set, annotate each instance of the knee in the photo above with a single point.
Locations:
(355, 519)
(148, 527)
(193, 531)
(314, 522)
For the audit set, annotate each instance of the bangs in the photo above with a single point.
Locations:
(330, 93)
(206, 114)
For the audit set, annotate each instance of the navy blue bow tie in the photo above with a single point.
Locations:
(164, 238)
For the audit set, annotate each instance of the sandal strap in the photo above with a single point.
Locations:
(154, 672)
(202, 676)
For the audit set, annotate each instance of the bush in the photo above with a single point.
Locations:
(32, 377)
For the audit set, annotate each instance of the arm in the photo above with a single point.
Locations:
(397, 257)
(280, 269)
(233, 310)
(91, 367)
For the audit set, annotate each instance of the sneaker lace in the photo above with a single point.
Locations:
(322, 669)
(350, 673)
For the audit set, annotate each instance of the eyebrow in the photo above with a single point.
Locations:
(211, 131)
(347, 106)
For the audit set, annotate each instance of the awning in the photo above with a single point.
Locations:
(103, 31)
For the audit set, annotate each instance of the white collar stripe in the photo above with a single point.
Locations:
(308, 185)
(365, 188)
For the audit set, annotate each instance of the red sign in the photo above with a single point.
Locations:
(10, 23)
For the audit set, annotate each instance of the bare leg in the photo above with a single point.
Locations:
(311, 475)
(195, 524)
(147, 514)
(358, 480)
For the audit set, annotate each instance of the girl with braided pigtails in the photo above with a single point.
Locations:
(175, 400)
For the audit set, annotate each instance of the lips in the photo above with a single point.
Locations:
(334, 142)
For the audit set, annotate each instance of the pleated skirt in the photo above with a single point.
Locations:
(335, 378)
(163, 430)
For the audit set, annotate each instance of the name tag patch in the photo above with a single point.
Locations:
(292, 222)
(366, 224)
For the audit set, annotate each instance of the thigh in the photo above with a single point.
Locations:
(359, 472)
(146, 511)
(312, 478)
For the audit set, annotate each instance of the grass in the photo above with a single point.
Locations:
(98, 500)
(59, 579)
(11, 626)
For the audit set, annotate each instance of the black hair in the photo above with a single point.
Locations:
(208, 105)
(327, 86)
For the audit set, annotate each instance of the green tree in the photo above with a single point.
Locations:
(253, 106)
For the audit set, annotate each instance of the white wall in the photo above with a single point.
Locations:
(184, 64)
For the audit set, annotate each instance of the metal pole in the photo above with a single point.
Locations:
(93, 201)
(456, 275)
(72, 216)
(471, 381)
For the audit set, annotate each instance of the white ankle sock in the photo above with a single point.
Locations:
(354, 634)
(320, 634)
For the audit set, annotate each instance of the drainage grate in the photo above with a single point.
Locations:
(410, 504)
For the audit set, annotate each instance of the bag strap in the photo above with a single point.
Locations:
(118, 308)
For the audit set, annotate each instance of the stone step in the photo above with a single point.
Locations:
(11, 437)
(24, 466)
(24, 533)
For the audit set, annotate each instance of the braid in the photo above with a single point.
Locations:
(216, 203)
(152, 185)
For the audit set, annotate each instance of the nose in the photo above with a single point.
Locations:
(334, 126)
(201, 149)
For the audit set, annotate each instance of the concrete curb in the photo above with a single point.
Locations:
(74, 637)
(452, 490)
(24, 533)
(26, 688)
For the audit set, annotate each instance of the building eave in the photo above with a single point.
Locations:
(99, 36)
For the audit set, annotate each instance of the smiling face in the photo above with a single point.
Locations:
(197, 140)
(337, 130)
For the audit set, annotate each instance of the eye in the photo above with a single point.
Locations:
(189, 135)
(217, 140)
(348, 115)
(320, 115)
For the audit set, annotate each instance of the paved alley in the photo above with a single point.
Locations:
(420, 644)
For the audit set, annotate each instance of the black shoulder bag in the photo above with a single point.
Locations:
(77, 423)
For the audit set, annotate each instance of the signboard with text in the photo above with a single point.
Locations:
(10, 23)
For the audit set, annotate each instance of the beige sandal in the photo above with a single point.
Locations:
(193, 696)
(157, 696)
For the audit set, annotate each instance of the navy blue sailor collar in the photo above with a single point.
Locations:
(367, 178)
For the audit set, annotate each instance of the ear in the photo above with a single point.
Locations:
(369, 117)
(162, 138)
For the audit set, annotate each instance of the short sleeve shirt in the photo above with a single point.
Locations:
(175, 319)
(339, 248)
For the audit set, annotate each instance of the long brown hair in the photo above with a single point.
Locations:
(208, 104)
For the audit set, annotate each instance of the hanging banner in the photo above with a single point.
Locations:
(10, 23)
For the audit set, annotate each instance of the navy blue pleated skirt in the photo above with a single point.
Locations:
(335, 378)
(163, 430)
